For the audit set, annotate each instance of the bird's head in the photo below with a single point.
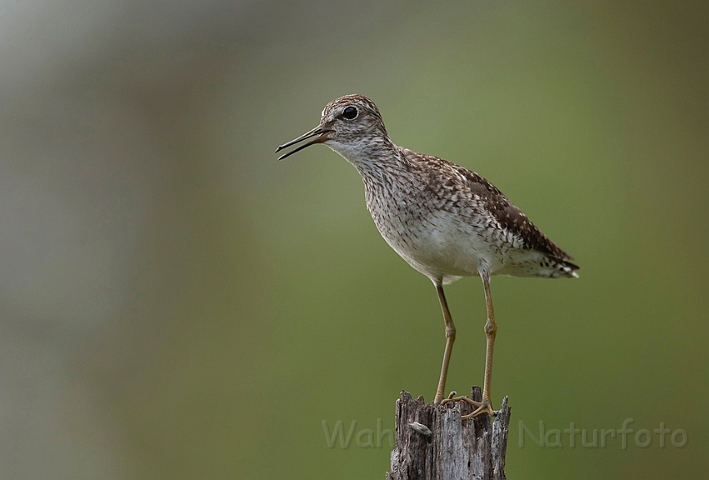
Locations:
(348, 125)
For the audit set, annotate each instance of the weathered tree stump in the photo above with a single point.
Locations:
(433, 443)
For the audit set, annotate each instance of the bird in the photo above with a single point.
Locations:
(444, 220)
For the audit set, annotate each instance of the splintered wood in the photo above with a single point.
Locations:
(434, 443)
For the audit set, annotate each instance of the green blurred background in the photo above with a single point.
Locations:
(176, 304)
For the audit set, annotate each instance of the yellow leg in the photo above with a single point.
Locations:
(450, 338)
(490, 332)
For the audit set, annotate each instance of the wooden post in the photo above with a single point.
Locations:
(433, 443)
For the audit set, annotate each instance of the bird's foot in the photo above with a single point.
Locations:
(480, 407)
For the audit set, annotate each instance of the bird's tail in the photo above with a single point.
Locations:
(531, 263)
(565, 269)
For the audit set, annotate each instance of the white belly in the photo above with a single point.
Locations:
(440, 245)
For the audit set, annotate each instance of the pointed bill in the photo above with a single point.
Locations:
(318, 132)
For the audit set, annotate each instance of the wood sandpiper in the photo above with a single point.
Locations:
(444, 220)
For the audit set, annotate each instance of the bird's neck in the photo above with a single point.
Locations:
(373, 157)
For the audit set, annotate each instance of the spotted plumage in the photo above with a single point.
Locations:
(444, 220)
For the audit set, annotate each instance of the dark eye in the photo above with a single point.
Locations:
(349, 113)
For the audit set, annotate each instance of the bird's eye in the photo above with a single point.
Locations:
(349, 113)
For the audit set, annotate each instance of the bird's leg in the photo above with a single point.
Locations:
(490, 331)
(450, 338)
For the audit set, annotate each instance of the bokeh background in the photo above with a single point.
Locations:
(176, 304)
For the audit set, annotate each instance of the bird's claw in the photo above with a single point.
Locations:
(480, 407)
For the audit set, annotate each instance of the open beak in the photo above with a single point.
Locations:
(318, 132)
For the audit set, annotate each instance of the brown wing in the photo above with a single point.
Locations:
(509, 216)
